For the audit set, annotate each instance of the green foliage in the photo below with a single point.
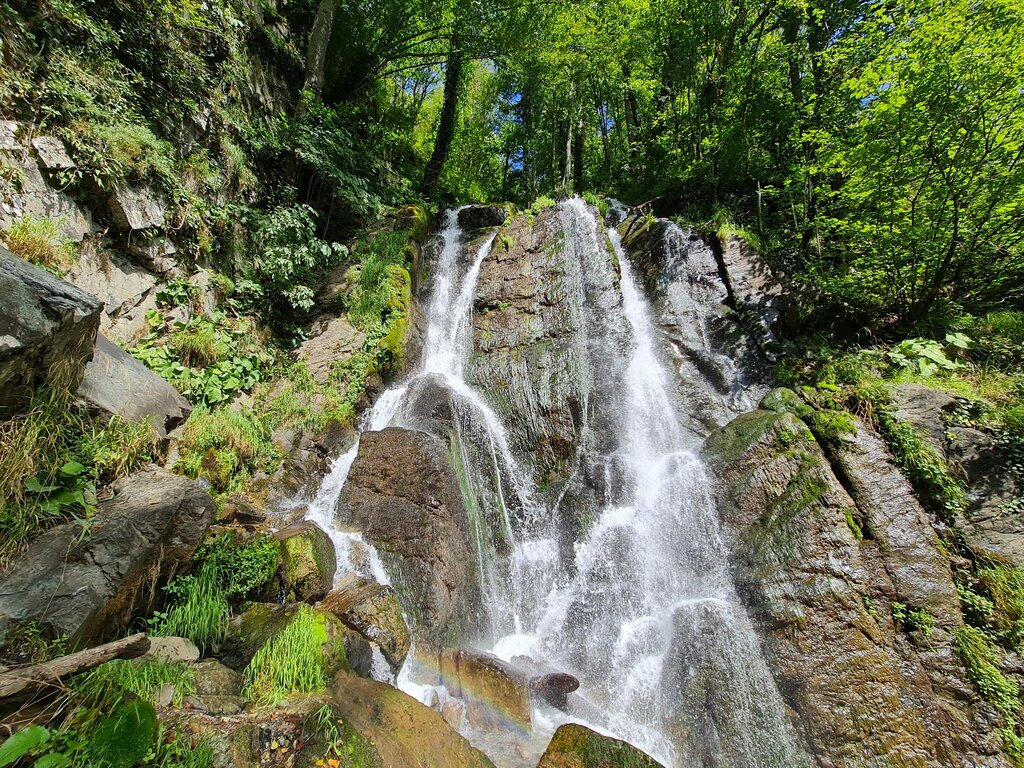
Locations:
(111, 682)
(40, 241)
(23, 742)
(53, 457)
(177, 292)
(199, 608)
(291, 661)
(125, 737)
(912, 619)
(108, 154)
(226, 446)
(926, 356)
(982, 665)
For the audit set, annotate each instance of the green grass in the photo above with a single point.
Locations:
(981, 662)
(226, 447)
(199, 610)
(141, 678)
(39, 241)
(292, 661)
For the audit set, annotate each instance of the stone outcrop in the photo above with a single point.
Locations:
(334, 339)
(127, 290)
(116, 384)
(47, 331)
(576, 746)
(133, 207)
(404, 496)
(88, 587)
(373, 611)
(820, 572)
(767, 304)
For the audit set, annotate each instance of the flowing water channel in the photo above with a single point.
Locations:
(641, 607)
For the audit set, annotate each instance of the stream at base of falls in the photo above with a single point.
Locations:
(641, 608)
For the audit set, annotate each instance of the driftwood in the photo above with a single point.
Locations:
(40, 675)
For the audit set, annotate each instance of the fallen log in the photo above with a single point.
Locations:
(40, 675)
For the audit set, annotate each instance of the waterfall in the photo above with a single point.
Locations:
(643, 612)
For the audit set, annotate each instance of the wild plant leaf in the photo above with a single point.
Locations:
(21, 743)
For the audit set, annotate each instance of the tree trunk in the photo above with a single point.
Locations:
(449, 115)
(316, 51)
(41, 675)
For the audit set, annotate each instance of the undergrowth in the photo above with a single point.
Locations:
(292, 661)
(39, 241)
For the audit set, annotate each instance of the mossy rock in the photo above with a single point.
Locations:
(308, 563)
(574, 746)
(259, 622)
(782, 400)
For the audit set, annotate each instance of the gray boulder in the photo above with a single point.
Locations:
(135, 207)
(89, 587)
(765, 301)
(116, 384)
(47, 330)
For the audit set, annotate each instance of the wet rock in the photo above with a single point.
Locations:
(575, 746)
(401, 731)
(134, 207)
(404, 496)
(554, 688)
(783, 400)
(373, 611)
(897, 523)
(481, 216)
(924, 409)
(239, 510)
(172, 649)
(332, 340)
(47, 330)
(148, 530)
(116, 384)
(308, 561)
(496, 695)
(819, 588)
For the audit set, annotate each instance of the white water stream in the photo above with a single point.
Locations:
(645, 614)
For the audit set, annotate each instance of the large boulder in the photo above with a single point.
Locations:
(373, 611)
(404, 496)
(821, 589)
(127, 290)
(496, 694)
(401, 731)
(47, 331)
(88, 587)
(116, 384)
(576, 746)
(767, 303)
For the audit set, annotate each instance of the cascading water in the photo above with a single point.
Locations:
(643, 610)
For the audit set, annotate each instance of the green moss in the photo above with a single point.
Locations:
(851, 522)
(335, 742)
(831, 427)
(125, 737)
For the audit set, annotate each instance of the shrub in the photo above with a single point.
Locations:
(225, 447)
(40, 242)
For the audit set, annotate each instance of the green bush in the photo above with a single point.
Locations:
(226, 447)
(982, 665)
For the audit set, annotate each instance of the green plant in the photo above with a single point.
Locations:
(177, 292)
(926, 356)
(291, 661)
(982, 665)
(125, 737)
(23, 742)
(831, 427)
(199, 610)
(912, 619)
(196, 343)
(226, 446)
(111, 681)
(39, 241)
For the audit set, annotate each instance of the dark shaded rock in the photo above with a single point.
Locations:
(767, 303)
(308, 562)
(116, 384)
(496, 695)
(155, 254)
(89, 588)
(214, 679)
(480, 216)
(404, 496)
(575, 746)
(373, 611)
(554, 688)
(862, 692)
(401, 731)
(47, 331)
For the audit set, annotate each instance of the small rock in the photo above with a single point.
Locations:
(555, 688)
(308, 560)
(373, 611)
(215, 679)
(495, 694)
(134, 207)
(574, 746)
(172, 649)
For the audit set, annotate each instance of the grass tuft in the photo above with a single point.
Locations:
(290, 662)
(39, 241)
